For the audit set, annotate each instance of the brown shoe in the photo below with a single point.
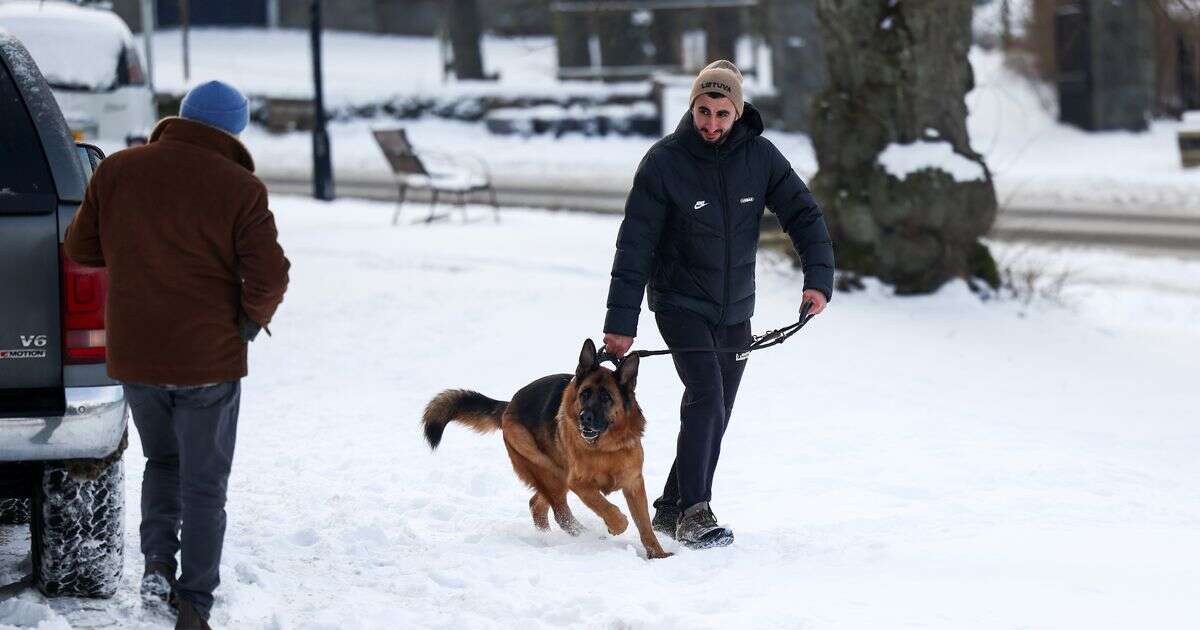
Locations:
(158, 585)
(189, 618)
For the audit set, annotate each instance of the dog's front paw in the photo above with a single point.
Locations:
(617, 524)
(657, 554)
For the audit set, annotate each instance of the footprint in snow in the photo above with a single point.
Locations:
(447, 581)
(247, 574)
(305, 537)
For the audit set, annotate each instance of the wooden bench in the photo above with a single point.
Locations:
(458, 176)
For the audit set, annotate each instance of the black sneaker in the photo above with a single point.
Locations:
(698, 529)
(158, 586)
(665, 520)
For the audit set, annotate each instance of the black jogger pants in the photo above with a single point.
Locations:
(710, 384)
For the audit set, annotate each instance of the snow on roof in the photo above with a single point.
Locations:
(903, 160)
(73, 46)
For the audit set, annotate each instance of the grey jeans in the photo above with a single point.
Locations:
(188, 436)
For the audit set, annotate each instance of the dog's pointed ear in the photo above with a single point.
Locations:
(587, 360)
(627, 372)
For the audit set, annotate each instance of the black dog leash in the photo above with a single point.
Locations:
(757, 342)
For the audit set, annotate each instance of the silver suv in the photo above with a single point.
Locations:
(62, 420)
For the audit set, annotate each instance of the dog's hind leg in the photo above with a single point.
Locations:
(564, 517)
(518, 438)
(541, 473)
(551, 494)
(540, 509)
(553, 491)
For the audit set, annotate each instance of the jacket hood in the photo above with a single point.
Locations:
(179, 129)
(746, 127)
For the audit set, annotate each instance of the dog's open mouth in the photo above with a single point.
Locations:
(589, 435)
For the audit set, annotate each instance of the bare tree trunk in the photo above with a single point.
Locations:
(183, 28)
(464, 38)
(622, 41)
(1194, 44)
(722, 27)
(571, 30)
(666, 35)
(1005, 24)
(625, 39)
(898, 75)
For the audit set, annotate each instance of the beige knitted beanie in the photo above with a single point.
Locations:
(723, 78)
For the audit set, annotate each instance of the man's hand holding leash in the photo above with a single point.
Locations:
(618, 345)
(817, 299)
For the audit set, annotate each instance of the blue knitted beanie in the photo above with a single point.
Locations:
(217, 104)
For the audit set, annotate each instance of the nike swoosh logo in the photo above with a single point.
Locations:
(700, 204)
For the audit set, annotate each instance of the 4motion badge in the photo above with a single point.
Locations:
(32, 347)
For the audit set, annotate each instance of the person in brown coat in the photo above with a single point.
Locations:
(195, 269)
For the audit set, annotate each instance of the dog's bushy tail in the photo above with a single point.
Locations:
(473, 409)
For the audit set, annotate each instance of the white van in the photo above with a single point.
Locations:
(88, 57)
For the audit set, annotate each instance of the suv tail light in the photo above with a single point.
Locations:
(85, 292)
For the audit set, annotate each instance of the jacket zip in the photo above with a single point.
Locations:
(725, 218)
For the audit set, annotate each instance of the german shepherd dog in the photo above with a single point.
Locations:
(581, 433)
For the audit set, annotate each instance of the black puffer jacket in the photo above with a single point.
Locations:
(692, 223)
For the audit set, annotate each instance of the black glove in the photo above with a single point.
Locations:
(247, 327)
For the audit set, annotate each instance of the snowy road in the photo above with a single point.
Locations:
(1172, 232)
(933, 462)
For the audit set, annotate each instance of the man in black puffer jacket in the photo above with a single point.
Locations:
(691, 231)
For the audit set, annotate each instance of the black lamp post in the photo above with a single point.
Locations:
(322, 164)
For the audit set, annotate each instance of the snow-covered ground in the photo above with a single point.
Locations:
(933, 462)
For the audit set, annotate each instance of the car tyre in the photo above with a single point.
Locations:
(78, 529)
(14, 511)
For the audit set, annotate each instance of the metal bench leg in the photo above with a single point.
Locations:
(435, 199)
(495, 204)
(432, 207)
(399, 204)
(462, 204)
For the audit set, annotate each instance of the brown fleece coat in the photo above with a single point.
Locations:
(182, 225)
